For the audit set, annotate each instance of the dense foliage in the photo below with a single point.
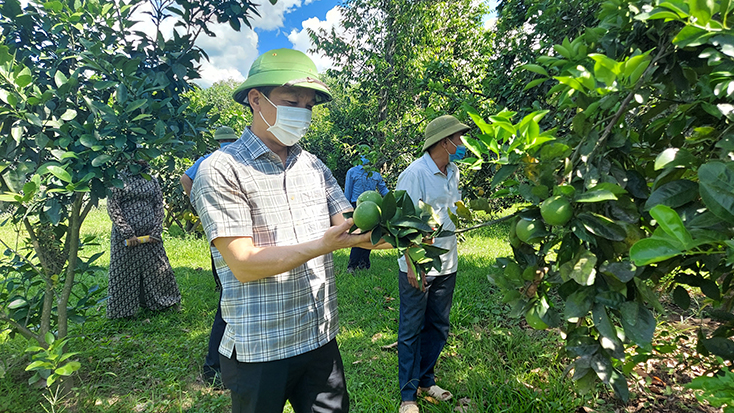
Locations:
(641, 150)
(85, 93)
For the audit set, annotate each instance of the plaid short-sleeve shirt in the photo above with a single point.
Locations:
(244, 190)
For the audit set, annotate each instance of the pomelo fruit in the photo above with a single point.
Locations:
(556, 210)
(529, 231)
(372, 196)
(366, 216)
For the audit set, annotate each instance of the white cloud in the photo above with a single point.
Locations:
(230, 53)
(272, 15)
(301, 41)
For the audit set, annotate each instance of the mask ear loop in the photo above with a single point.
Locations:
(276, 111)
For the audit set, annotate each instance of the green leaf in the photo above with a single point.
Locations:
(121, 93)
(101, 160)
(656, 14)
(608, 339)
(702, 10)
(674, 194)
(675, 158)
(710, 289)
(650, 250)
(68, 368)
(88, 140)
(534, 83)
(681, 297)
(691, 36)
(602, 226)
(535, 69)
(59, 172)
(623, 271)
(17, 303)
(638, 323)
(720, 346)
(136, 105)
(671, 223)
(619, 385)
(376, 235)
(596, 196)
(579, 303)
(389, 206)
(716, 186)
(38, 364)
(60, 78)
(584, 271)
(68, 115)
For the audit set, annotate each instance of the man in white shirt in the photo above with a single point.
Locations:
(424, 308)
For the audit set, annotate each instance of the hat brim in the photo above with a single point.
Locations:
(459, 127)
(226, 137)
(280, 78)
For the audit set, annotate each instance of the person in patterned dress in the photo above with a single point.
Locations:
(140, 274)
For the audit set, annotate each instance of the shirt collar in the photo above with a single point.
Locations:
(433, 168)
(257, 147)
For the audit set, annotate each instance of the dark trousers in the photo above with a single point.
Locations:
(211, 362)
(312, 382)
(423, 331)
(359, 258)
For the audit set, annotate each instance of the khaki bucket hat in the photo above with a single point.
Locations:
(442, 127)
(224, 133)
(283, 67)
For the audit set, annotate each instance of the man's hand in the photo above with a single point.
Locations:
(412, 280)
(338, 237)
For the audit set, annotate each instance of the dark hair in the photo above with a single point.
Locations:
(265, 90)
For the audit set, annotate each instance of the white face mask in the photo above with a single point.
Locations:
(290, 123)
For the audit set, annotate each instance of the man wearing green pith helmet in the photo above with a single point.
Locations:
(272, 213)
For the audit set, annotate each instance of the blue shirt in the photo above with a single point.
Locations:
(422, 180)
(357, 182)
(191, 172)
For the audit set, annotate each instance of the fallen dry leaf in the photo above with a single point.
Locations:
(390, 346)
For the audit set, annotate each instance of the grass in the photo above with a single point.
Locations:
(153, 363)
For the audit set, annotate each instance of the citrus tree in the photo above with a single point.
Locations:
(398, 65)
(84, 93)
(628, 190)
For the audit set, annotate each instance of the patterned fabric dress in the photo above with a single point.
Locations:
(139, 275)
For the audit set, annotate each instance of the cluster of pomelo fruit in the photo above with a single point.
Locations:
(555, 211)
(395, 219)
(531, 229)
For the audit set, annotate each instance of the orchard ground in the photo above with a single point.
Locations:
(492, 363)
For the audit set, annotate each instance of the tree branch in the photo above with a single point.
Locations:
(24, 331)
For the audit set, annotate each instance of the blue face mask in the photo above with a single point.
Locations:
(459, 154)
(223, 144)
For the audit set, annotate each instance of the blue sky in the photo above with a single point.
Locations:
(275, 39)
(284, 24)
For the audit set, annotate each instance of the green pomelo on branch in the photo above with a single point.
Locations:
(514, 240)
(367, 215)
(372, 196)
(556, 210)
(530, 231)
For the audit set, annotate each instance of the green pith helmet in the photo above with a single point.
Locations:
(225, 133)
(442, 127)
(283, 67)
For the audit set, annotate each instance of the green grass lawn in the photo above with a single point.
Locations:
(153, 363)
